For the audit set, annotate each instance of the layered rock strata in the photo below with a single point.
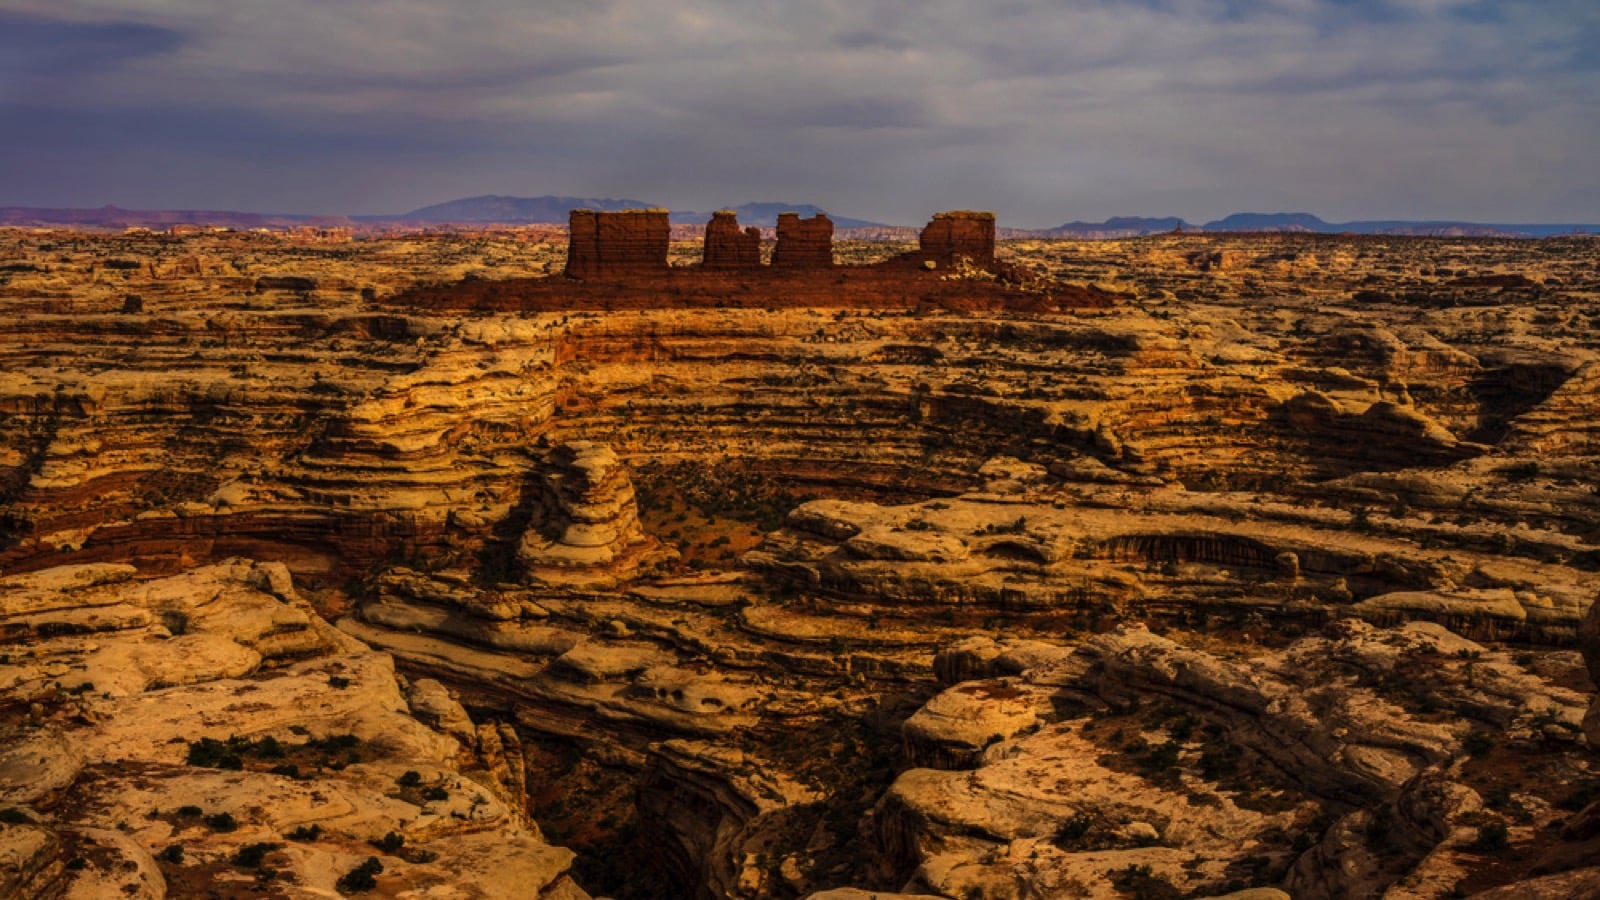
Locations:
(804, 245)
(959, 235)
(625, 243)
(1246, 458)
(1137, 755)
(208, 732)
(729, 247)
(584, 525)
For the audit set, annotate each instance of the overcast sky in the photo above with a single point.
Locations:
(1043, 110)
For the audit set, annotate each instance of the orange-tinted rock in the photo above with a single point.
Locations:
(728, 247)
(956, 235)
(803, 244)
(629, 242)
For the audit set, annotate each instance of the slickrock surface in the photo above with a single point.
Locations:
(1180, 566)
(208, 734)
(1129, 768)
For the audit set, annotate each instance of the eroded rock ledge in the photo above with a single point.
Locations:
(208, 732)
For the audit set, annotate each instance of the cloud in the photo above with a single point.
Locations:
(34, 50)
(1046, 110)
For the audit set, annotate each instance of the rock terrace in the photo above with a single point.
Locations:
(1269, 571)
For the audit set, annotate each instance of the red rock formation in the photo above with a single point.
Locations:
(956, 235)
(803, 244)
(727, 247)
(630, 242)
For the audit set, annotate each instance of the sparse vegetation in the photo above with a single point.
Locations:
(363, 877)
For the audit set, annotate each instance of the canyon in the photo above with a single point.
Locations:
(1172, 566)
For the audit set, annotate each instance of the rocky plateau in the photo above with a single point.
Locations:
(1249, 566)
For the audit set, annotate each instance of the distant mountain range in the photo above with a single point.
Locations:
(500, 210)
(1306, 223)
(493, 209)
(116, 217)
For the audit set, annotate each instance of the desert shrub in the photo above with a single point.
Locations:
(222, 822)
(172, 853)
(251, 856)
(1139, 882)
(1071, 832)
(1581, 796)
(1492, 838)
(362, 877)
(211, 753)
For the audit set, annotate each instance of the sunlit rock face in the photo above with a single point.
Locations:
(584, 525)
(208, 732)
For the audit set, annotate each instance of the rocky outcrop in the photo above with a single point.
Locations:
(584, 525)
(958, 235)
(728, 247)
(626, 243)
(1150, 751)
(804, 245)
(208, 731)
(1003, 552)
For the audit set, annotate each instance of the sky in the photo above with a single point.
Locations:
(1045, 111)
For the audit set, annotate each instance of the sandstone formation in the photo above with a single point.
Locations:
(1114, 578)
(208, 734)
(585, 523)
(803, 244)
(727, 247)
(631, 242)
(1105, 790)
(958, 235)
